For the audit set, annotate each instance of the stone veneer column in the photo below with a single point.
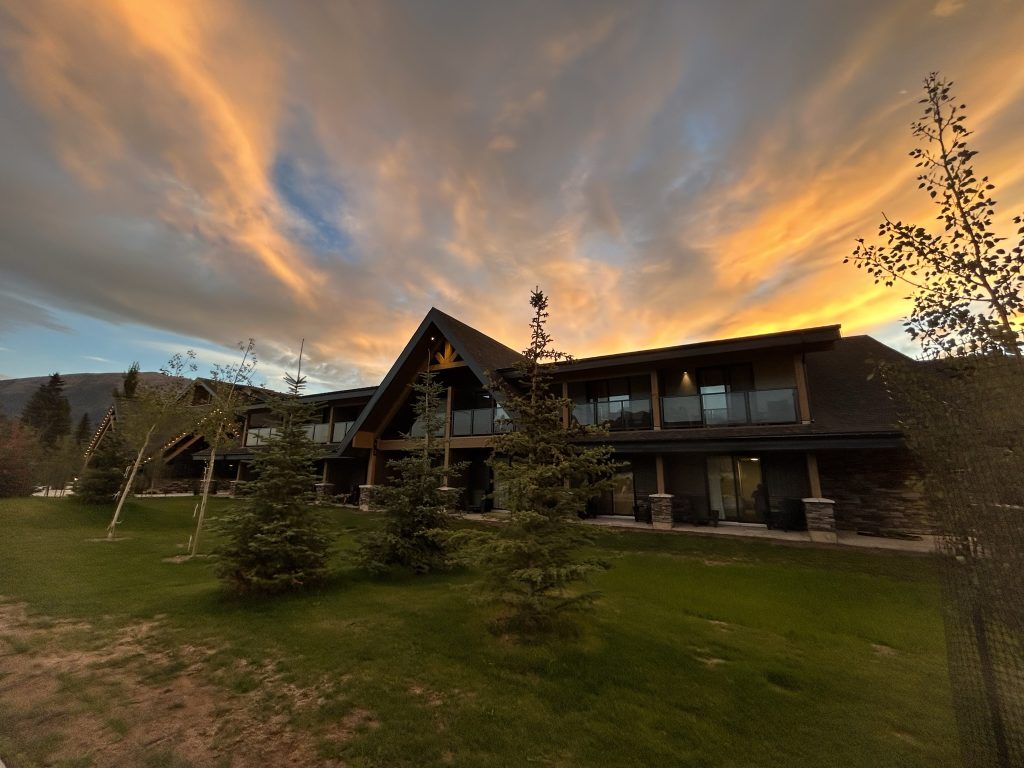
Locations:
(366, 497)
(661, 510)
(821, 519)
(324, 491)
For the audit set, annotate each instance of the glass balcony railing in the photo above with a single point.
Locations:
(317, 433)
(341, 429)
(617, 414)
(479, 421)
(761, 406)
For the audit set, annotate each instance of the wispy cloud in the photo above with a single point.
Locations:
(667, 171)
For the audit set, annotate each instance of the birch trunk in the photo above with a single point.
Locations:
(127, 490)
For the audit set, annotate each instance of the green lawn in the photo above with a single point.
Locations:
(702, 652)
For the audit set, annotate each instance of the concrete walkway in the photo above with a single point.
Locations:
(924, 545)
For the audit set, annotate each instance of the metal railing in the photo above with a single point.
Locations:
(759, 406)
(617, 414)
(479, 421)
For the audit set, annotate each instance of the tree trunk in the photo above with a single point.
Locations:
(127, 490)
(207, 479)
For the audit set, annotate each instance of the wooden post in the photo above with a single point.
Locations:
(565, 409)
(803, 404)
(659, 470)
(371, 465)
(813, 476)
(656, 408)
(447, 434)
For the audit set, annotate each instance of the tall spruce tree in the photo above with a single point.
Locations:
(84, 430)
(413, 501)
(276, 541)
(534, 567)
(48, 412)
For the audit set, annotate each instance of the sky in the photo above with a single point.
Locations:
(192, 174)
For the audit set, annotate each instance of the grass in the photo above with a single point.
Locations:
(702, 651)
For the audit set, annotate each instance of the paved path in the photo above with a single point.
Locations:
(925, 544)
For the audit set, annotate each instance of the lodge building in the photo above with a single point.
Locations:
(739, 431)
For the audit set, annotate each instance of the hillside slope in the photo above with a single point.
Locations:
(87, 393)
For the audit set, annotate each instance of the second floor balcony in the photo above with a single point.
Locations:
(764, 406)
(317, 433)
(617, 414)
(479, 421)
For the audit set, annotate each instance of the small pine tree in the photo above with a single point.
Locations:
(276, 541)
(412, 501)
(533, 566)
(102, 478)
(48, 412)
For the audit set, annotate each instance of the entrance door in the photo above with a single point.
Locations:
(734, 487)
(750, 508)
(623, 498)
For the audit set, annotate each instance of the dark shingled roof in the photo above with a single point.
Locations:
(845, 397)
(489, 354)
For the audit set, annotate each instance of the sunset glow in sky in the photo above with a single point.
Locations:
(190, 174)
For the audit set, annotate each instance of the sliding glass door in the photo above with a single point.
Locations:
(735, 488)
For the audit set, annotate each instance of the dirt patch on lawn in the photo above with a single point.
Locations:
(74, 692)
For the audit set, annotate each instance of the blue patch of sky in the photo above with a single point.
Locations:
(92, 345)
(318, 200)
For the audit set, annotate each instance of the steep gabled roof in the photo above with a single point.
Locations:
(482, 355)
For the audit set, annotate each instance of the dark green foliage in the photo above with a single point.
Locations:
(412, 501)
(48, 412)
(275, 541)
(968, 290)
(84, 430)
(102, 477)
(129, 383)
(18, 452)
(534, 565)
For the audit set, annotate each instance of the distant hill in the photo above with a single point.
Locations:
(87, 393)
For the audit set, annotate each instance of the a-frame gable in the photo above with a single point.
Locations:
(447, 343)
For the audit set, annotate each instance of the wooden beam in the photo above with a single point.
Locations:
(182, 446)
(813, 476)
(362, 439)
(655, 402)
(447, 432)
(565, 410)
(803, 402)
(659, 471)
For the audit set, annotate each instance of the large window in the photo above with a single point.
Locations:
(621, 403)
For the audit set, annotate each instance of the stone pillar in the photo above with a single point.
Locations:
(237, 488)
(452, 498)
(821, 519)
(661, 510)
(366, 497)
(324, 491)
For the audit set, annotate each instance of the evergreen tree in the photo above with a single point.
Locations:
(534, 566)
(48, 412)
(129, 383)
(276, 541)
(84, 430)
(412, 501)
(101, 480)
(18, 449)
